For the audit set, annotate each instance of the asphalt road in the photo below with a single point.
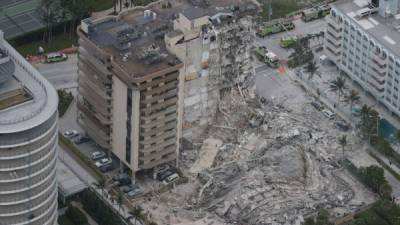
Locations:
(63, 75)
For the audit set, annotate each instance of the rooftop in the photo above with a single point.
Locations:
(384, 30)
(135, 38)
(26, 98)
(68, 183)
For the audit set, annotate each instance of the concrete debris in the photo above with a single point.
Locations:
(275, 167)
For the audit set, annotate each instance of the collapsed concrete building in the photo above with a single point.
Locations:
(215, 47)
(148, 72)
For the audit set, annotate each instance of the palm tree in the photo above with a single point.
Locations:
(119, 200)
(352, 98)
(343, 142)
(311, 68)
(364, 113)
(137, 213)
(338, 86)
(101, 184)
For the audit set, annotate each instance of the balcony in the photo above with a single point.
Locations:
(95, 126)
(156, 161)
(33, 148)
(159, 121)
(376, 71)
(379, 60)
(161, 136)
(162, 128)
(148, 149)
(146, 118)
(155, 98)
(332, 34)
(147, 156)
(96, 85)
(87, 111)
(333, 24)
(18, 187)
(160, 106)
(376, 86)
(34, 170)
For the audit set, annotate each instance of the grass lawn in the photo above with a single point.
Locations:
(63, 220)
(282, 7)
(59, 42)
(101, 5)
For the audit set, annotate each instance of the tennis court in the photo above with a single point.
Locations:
(19, 16)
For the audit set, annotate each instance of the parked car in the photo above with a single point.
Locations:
(103, 162)
(56, 57)
(341, 125)
(163, 175)
(329, 114)
(97, 155)
(135, 192)
(71, 133)
(317, 105)
(120, 176)
(81, 139)
(106, 168)
(171, 178)
(129, 188)
(123, 182)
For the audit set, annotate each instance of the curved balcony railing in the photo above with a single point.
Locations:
(12, 188)
(29, 136)
(34, 74)
(21, 176)
(20, 197)
(33, 148)
(27, 208)
(45, 215)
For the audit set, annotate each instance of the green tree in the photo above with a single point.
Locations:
(343, 142)
(338, 86)
(76, 215)
(311, 68)
(352, 98)
(137, 212)
(119, 200)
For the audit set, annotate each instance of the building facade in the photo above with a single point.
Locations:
(140, 74)
(28, 141)
(362, 39)
(129, 89)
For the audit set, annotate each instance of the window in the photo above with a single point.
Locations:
(128, 151)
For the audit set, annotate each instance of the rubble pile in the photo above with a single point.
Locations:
(274, 165)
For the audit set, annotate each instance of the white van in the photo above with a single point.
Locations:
(329, 114)
(171, 178)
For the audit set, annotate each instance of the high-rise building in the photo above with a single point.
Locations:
(362, 39)
(28, 141)
(133, 70)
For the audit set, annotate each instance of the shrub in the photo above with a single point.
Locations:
(98, 210)
(76, 215)
(65, 99)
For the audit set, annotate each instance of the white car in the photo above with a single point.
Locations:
(171, 178)
(97, 155)
(329, 114)
(103, 162)
(71, 133)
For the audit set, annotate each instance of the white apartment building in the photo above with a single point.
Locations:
(363, 40)
(28, 141)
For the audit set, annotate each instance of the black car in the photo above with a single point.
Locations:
(317, 105)
(163, 175)
(342, 126)
(106, 168)
(81, 140)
